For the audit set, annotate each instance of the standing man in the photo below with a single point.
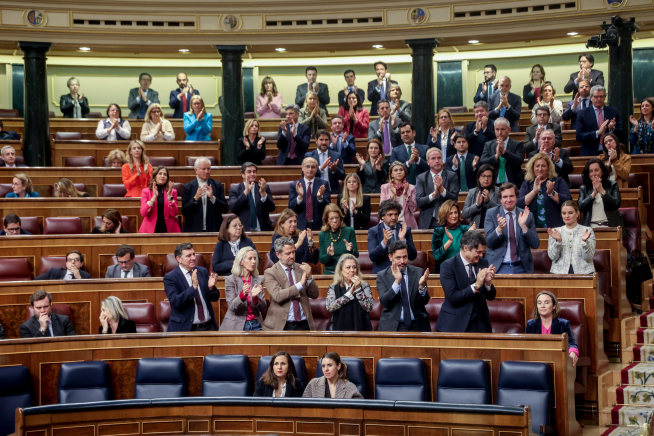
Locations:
(586, 72)
(203, 200)
(350, 77)
(467, 282)
(505, 104)
(330, 164)
(387, 231)
(252, 201)
(340, 142)
(385, 128)
(596, 121)
(293, 138)
(378, 89)
(433, 188)
(580, 102)
(480, 131)
(190, 290)
(542, 122)
(44, 323)
(290, 286)
(505, 154)
(412, 155)
(463, 163)
(142, 97)
(9, 157)
(180, 98)
(127, 267)
(511, 234)
(560, 157)
(321, 89)
(309, 196)
(488, 87)
(403, 293)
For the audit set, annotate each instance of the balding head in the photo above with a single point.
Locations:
(504, 84)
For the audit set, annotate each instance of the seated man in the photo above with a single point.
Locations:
(385, 128)
(309, 196)
(350, 77)
(505, 104)
(464, 164)
(412, 155)
(127, 267)
(596, 121)
(505, 154)
(180, 98)
(12, 226)
(559, 156)
(9, 156)
(330, 164)
(340, 142)
(142, 97)
(480, 131)
(581, 101)
(293, 138)
(433, 188)
(8, 135)
(533, 132)
(486, 89)
(586, 72)
(44, 323)
(252, 200)
(73, 270)
(381, 235)
(321, 89)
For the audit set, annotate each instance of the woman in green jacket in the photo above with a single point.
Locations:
(445, 242)
(335, 239)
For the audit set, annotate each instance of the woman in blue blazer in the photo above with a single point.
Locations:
(543, 191)
(546, 321)
(22, 187)
(230, 239)
(198, 122)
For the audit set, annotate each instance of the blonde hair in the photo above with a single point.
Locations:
(65, 186)
(153, 106)
(71, 79)
(529, 168)
(190, 104)
(338, 273)
(25, 181)
(325, 217)
(390, 170)
(283, 217)
(306, 99)
(346, 193)
(248, 124)
(237, 268)
(144, 158)
(447, 111)
(116, 154)
(115, 307)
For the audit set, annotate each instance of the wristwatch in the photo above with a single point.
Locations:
(552, 194)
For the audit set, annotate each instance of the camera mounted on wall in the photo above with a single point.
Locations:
(611, 34)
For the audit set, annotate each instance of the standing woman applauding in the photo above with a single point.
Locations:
(374, 171)
(197, 121)
(159, 204)
(642, 131)
(137, 172)
(74, 104)
(349, 297)
(571, 247)
(354, 205)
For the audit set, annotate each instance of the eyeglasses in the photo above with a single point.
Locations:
(16, 184)
(485, 176)
(237, 226)
(124, 262)
(12, 229)
(75, 259)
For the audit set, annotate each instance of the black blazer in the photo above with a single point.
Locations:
(263, 390)
(223, 259)
(68, 108)
(476, 142)
(586, 128)
(239, 203)
(374, 96)
(371, 181)
(552, 209)
(59, 273)
(512, 113)
(362, 215)
(611, 200)
(471, 174)
(124, 326)
(318, 207)
(596, 78)
(392, 302)
(302, 254)
(342, 96)
(182, 299)
(559, 326)
(530, 100)
(253, 154)
(450, 145)
(61, 326)
(566, 166)
(192, 210)
(514, 156)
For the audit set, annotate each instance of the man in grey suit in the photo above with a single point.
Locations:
(126, 268)
(542, 123)
(140, 98)
(321, 89)
(505, 104)
(511, 234)
(385, 128)
(433, 188)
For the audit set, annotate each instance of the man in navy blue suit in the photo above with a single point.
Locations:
(480, 131)
(190, 290)
(596, 121)
(309, 196)
(463, 163)
(378, 89)
(489, 86)
(467, 282)
(581, 101)
(293, 138)
(380, 236)
(180, 98)
(341, 142)
(330, 164)
(412, 155)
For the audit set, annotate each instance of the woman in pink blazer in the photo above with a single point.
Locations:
(159, 204)
(399, 189)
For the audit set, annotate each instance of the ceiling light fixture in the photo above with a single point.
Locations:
(572, 33)
(184, 50)
(280, 49)
(85, 48)
(473, 41)
(377, 46)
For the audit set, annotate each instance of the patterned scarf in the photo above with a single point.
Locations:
(399, 189)
(645, 136)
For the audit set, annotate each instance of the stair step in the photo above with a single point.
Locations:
(638, 353)
(647, 318)
(625, 416)
(638, 374)
(622, 431)
(645, 336)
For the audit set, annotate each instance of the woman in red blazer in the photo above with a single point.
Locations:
(137, 172)
(159, 205)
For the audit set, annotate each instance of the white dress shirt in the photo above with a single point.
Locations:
(396, 288)
(431, 196)
(101, 131)
(444, 136)
(138, 98)
(130, 274)
(204, 201)
(313, 189)
(291, 316)
(189, 280)
(465, 265)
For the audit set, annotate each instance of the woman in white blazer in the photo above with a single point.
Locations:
(571, 247)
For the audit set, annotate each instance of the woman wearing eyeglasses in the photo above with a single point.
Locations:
(231, 239)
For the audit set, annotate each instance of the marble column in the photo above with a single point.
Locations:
(422, 90)
(234, 110)
(37, 115)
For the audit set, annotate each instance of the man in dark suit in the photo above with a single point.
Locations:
(9, 156)
(486, 89)
(330, 164)
(594, 77)
(321, 89)
(190, 290)
(581, 101)
(467, 282)
(504, 152)
(559, 156)
(381, 235)
(293, 138)
(464, 164)
(542, 122)
(12, 226)
(180, 98)
(203, 200)
(350, 77)
(403, 293)
(127, 267)
(433, 188)
(379, 88)
(44, 323)
(385, 128)
(73, 270)
(412, 155)
(252, 201)
(511, 234)
(9, 135)
(341, 142)
(505, 104)
(309, 196)
(596, 121)
(480, 131)
(140, 98)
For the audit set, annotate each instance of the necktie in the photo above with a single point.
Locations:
(490, 91)
(291, 150)
(125, 274)
(47, 332)
(471, 273)
(253, 211)
(294, 302)
(502, 112)
(387, 139)
(435, 214)
(412, 169)
(349, 89)
(463, 183)
(198, 301)
(322, 161)
(406, 306)
(309, 203)
(143, 109)
(600, 121)
(184, 103)
(512, 244)
(394, 234)
(584, 103)
(383, 89)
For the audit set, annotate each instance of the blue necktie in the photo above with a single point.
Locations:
(502, 112)
(144, 107)
(383, 91)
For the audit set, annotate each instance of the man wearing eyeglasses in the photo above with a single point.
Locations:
(127, 267)
(73, 270)
(12, 226)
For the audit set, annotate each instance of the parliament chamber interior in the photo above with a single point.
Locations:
(434, 215)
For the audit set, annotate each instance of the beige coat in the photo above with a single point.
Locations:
(276, 282)
(344, 389)
(237, 310)
(167, 133)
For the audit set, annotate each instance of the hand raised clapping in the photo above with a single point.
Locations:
(554, 234)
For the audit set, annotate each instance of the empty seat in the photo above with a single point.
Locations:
(64, 225)
(374, 220)
(457, 109)
(506, 316)
(171, 263)
(114, 190)
(542, 262)
(79, 161)
(143, 316)
(226, 376)
(527, 384)
(97, 222)
(573, 311)
(167, 161)
(9, 113)
(279, 188)
(5, 188)
(269, 160)
(356, 372)
(400, 380)
(190, 161)
(463, 382)
(49, 262)
(420, 261)
(84, 382)
(94, 115)
(160, 378)
(16, 268)
(31, 224)
(375, 314)
(179, 187)
(631, 236)
(15, 392)
(433, 308)
(68, 136)
(163, 315)
(270, 136)
(575, 181)
(365, 264)
(321, 316)
(58, 308)
(298, 361)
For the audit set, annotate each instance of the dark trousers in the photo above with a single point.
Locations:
(434, 223)
(292, 161)
(297, 325)
(206, 327)
(413, 327)
(479, 325)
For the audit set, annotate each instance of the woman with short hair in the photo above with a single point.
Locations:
(114, 319)
(446, 239)
(547, 98)
(335, 238)
(231, 239)
(399, 108)
(197, 121)
(334, 382)
(349, 298)
(251, 146)
(116, 158)
(22, 187)
(280, 379)
(269, 100)
(155, 126)
(286, 226)
(74, 104)
(114, 127)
